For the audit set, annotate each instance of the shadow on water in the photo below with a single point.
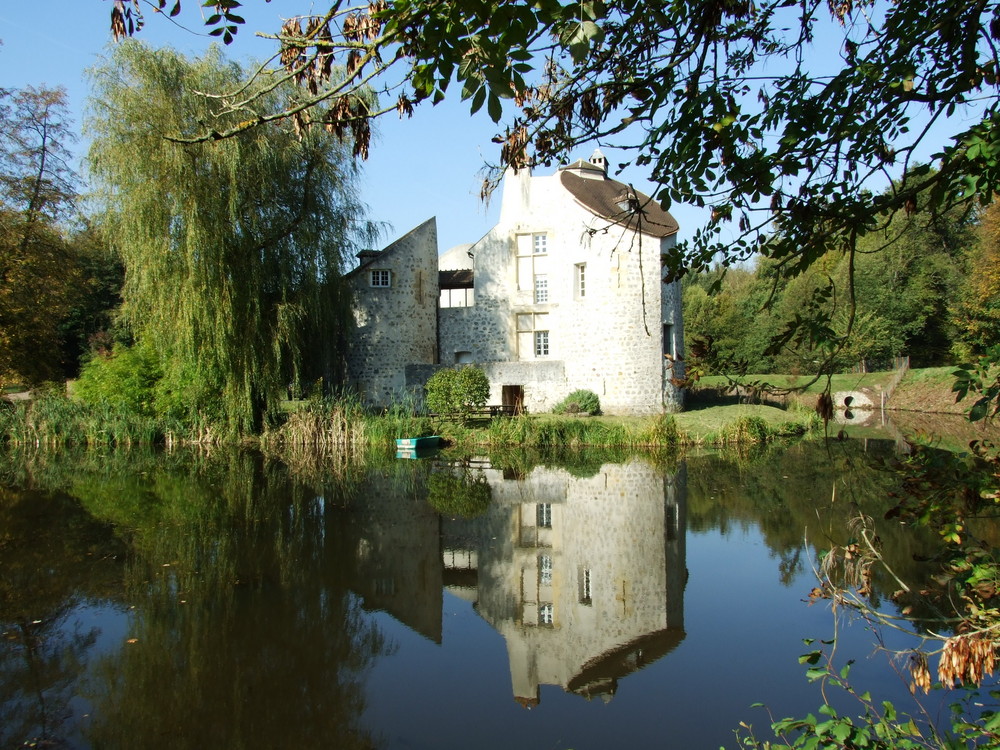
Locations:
(237, 594)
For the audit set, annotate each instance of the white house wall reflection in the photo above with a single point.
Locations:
(582, 576)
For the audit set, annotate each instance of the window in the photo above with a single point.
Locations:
(545, 570)
(532, 261)
(580, 280)
(532, 335)
(543, 515)
(584, 586)
(456, 298)
(541, 289)
(381, 277)
(541, 343)
(668, 339)
(545, 614)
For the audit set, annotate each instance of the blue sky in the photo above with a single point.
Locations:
(427, 166)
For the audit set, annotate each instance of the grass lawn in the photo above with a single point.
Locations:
(700, 424)
(704, 424)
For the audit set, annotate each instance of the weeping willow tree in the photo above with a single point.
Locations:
(233, 249)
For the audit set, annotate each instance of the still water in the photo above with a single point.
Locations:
(576, 601)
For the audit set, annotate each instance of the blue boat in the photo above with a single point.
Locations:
(417, 443)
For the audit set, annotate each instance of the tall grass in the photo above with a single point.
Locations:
(345, 423)
(573, 433)
(52, 420)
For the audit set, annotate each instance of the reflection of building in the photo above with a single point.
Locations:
(583, 577)
(397, 557)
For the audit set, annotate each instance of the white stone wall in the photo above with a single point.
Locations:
(609, 341)
(624, 529)
(395, 326)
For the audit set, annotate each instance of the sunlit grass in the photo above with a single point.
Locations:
(841, 382)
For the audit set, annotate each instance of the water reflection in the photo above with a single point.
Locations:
(186, 601)
(583, 577)
(53, 557)
(393, 532)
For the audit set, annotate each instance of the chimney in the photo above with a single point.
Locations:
(598, 160)
(366, 256)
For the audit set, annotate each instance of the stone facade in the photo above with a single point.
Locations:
(565, 293)
(395, 294)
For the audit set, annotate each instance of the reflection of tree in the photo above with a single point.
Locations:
(808, 491)
(224, 542)
(39, 667)
(465, 494)
(53, 557)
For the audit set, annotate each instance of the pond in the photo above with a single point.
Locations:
(583, 600)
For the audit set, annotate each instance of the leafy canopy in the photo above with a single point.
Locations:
(38, 272)
(233, 248)
(780, 115)
(457, 390)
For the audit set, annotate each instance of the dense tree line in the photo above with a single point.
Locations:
(58, 282)
(925, 287)
(205, 279)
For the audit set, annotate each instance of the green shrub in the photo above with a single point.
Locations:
(579, 402)
(126, 379)
(746, 430)
(457, 390)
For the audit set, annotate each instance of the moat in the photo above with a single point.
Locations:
(577, 601)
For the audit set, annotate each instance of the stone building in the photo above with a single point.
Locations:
(564, 293)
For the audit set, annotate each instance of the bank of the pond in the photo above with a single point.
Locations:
(57, 421)
(925, 390)
(718, 425)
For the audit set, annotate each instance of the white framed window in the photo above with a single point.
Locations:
(531, 252)
(545, 570)
(545, 614)
(543, 515)
(457, 298)
(541, 289)
(580, 280)
(668, 339)
(381, 277)
(541, 343)
(532, 335)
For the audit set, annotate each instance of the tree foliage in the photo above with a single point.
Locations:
(457, 390)
(232, 249)
(898, 292)
(796, 105)
(37, 270)
(978, 314)
(787, 119)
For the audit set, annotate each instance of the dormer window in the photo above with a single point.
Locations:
(381, 277)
